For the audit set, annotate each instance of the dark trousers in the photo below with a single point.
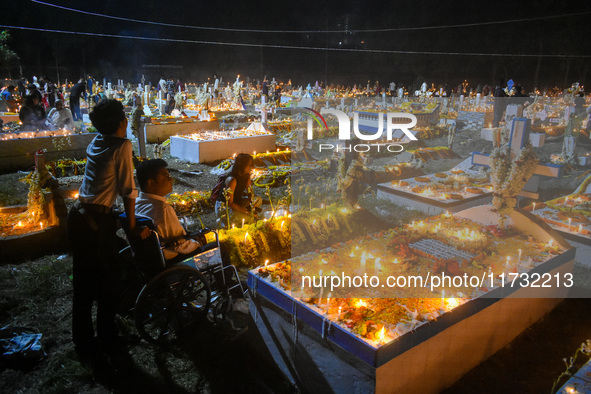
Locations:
(75, 108)
(95, 248)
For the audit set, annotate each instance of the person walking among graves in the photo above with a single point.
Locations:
(500, 103)
(76, 93)
(92, 227)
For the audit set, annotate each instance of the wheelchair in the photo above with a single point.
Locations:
(175, 296)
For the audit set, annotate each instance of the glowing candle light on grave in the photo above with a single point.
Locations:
(321, 287)
(328, 302)
(534, 207)
(363, 259)
(246, 237)
(339, 314)
(266, 262)
(242, 223)
(281, 228)
(233, 226)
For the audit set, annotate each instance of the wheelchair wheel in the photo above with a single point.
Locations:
(172, 303)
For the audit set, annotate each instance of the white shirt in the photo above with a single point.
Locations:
(109, 171)
(167, 223)
(61, 118)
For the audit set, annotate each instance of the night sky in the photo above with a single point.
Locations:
(45, 53)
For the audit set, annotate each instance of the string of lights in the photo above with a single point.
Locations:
(521, 20)
(332, 49)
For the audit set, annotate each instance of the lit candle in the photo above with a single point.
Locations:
(266, 262)
(328, 302)
(233, 225)
(245, 237)
(321, 287)
(340, 307)
(534, 207)
(242, 223)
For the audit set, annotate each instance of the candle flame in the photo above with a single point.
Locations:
(381, 335)
(358, 303)
(452, 302)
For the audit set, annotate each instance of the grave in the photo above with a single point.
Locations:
(17, 150)
(206, 146)
(421, 193)
(319, 354)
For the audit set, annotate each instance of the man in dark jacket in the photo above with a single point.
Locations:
(77, 91)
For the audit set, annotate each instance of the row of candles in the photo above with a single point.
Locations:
(570, 227)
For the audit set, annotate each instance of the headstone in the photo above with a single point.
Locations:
(513, 111)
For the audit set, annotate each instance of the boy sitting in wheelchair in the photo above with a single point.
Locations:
(155, 183)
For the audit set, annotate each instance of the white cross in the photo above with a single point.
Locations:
(517, 140)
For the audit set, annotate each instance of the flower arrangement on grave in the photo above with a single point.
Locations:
(348, 179)
(66, 167)
(250, 244)
(32, 218)
(509, 176)
(190, 202)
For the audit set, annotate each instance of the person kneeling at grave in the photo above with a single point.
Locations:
(155, 183)
(236, 193)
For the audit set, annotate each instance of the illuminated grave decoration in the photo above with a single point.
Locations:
(210, 146)
(9, 117)
(159, 129)
(17, 150)
(400, 343)
(460, 188)
(517, 141)
(569, 215)
(33, 224)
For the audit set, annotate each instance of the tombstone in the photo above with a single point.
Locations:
(160, 103)
(513, 111)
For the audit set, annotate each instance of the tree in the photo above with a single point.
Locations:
(7, 55)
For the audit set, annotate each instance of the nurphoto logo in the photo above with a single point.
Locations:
(394, 121)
